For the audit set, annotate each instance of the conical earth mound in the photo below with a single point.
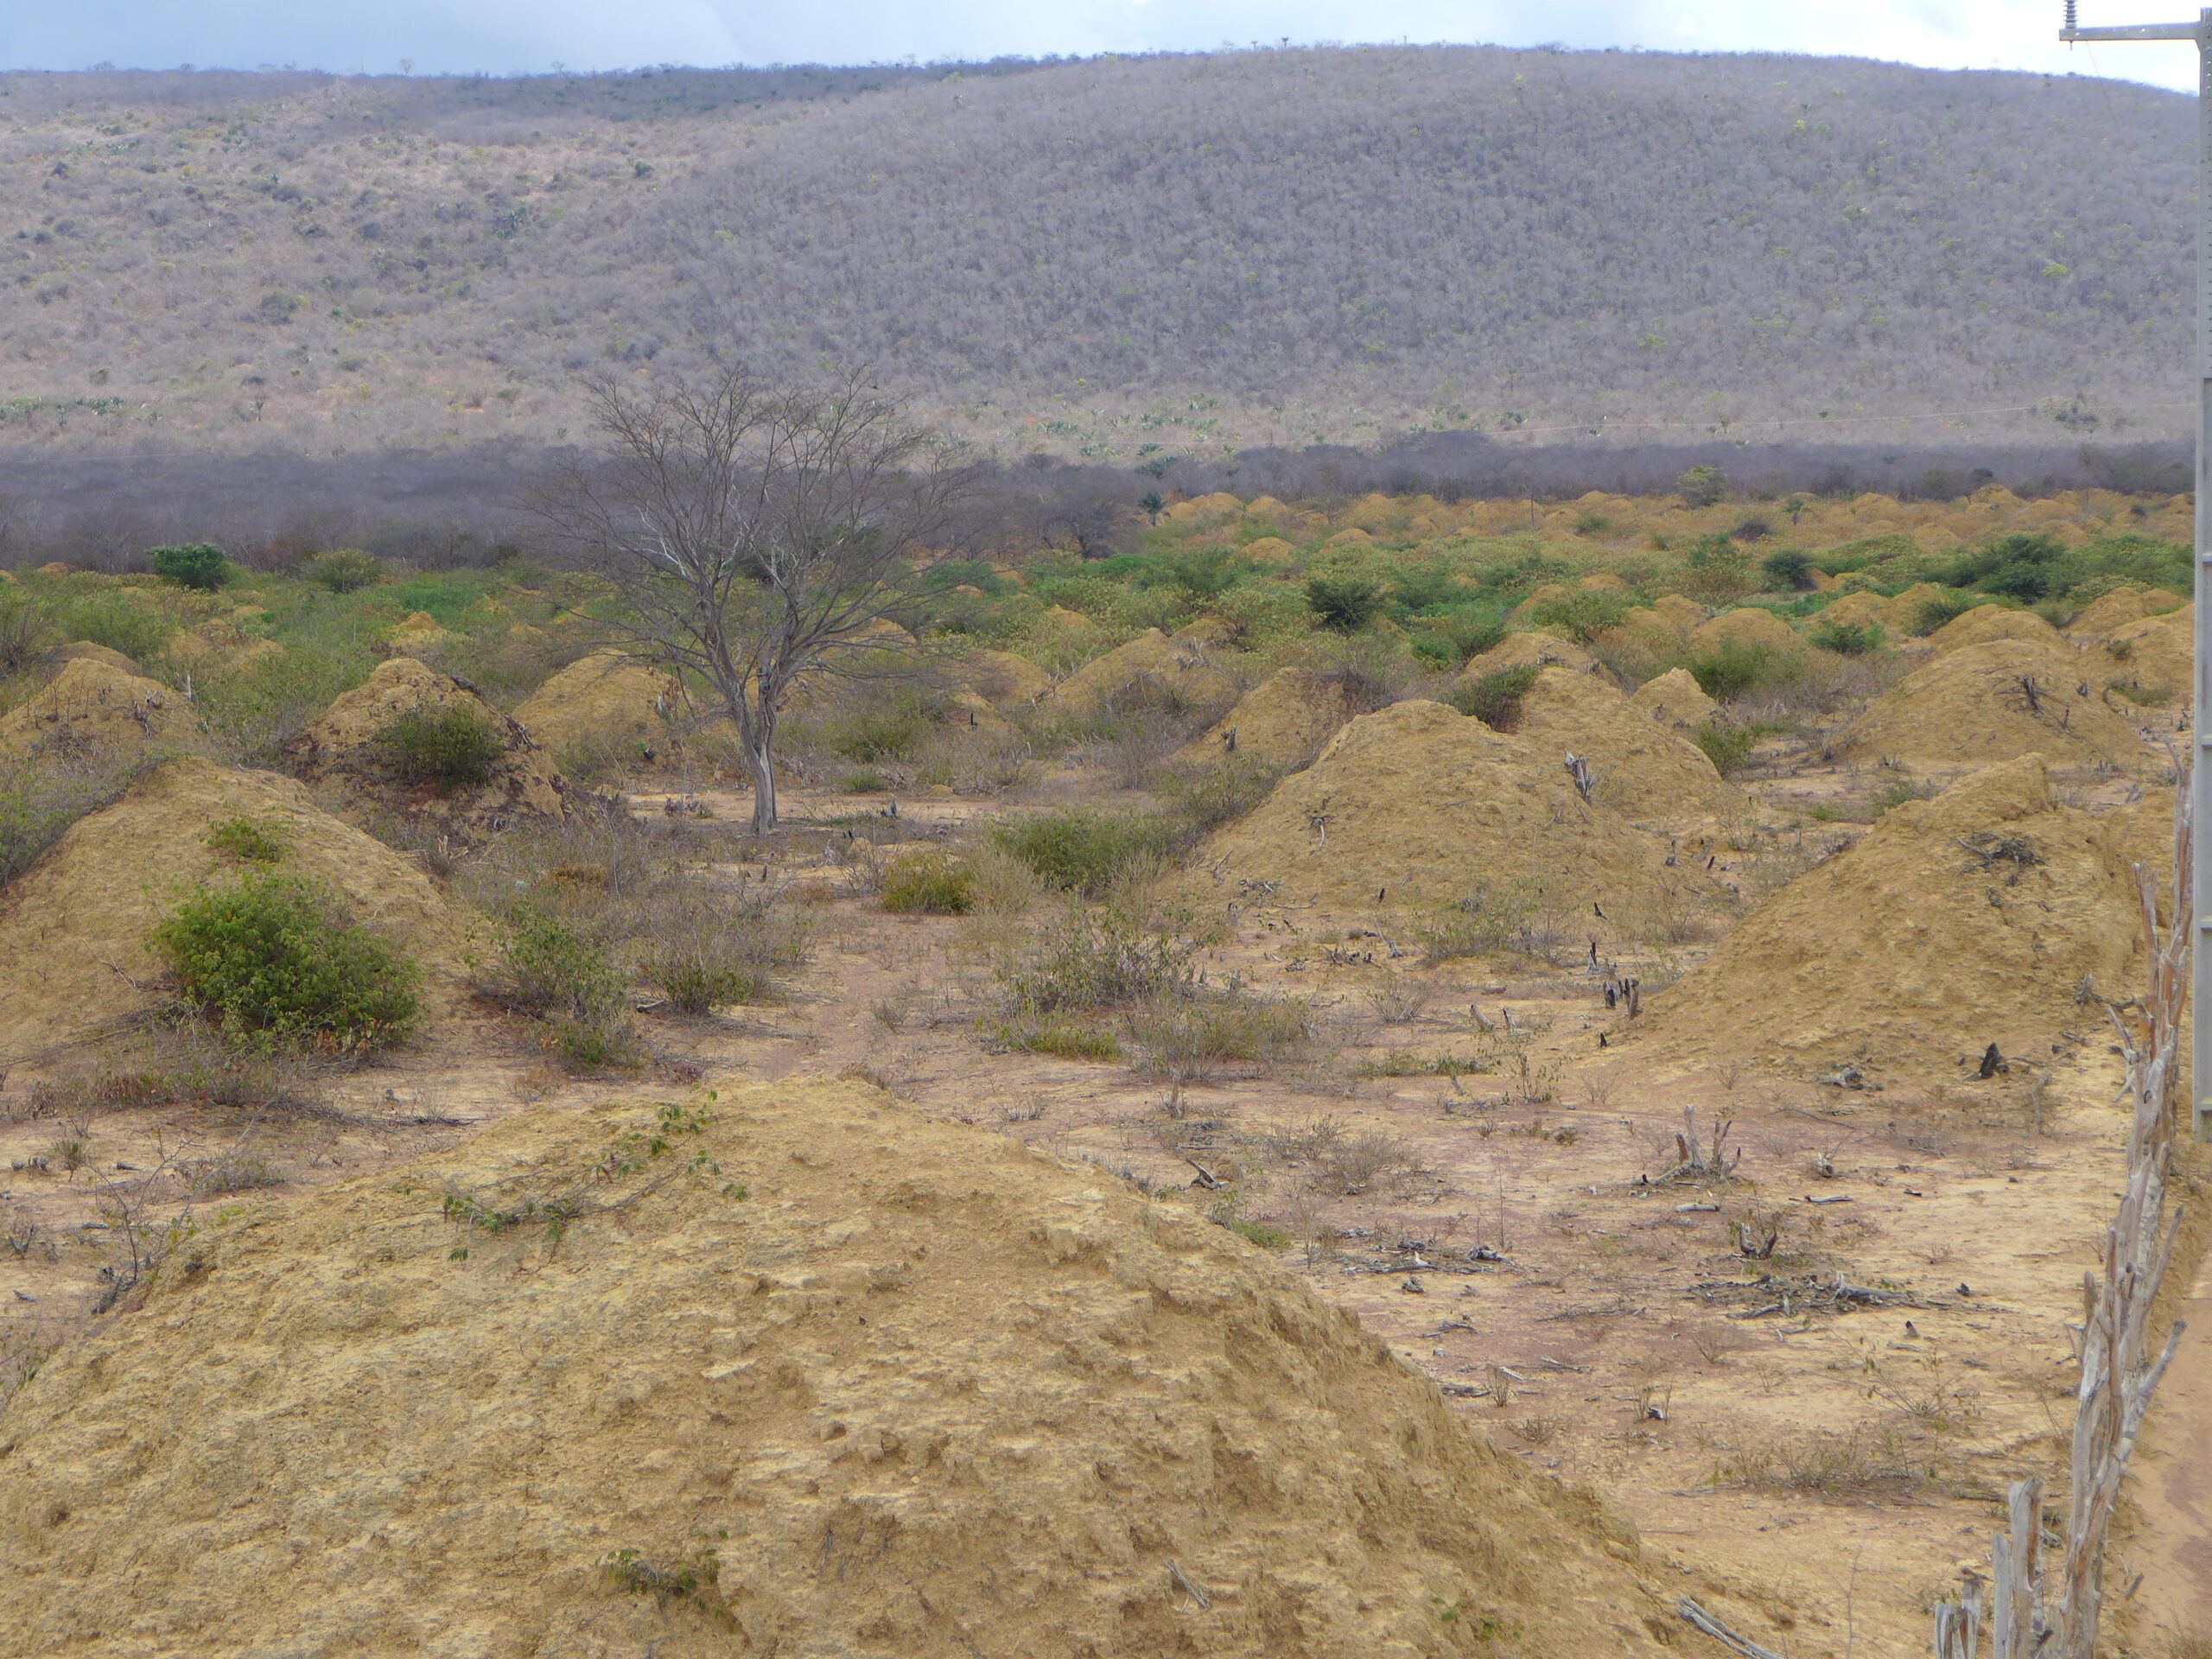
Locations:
(1150, 666)
(1417, 806)
(1975, 705)
(1986, 622)
(73, 928)
(812, 1376)
(341, 751)
(608, 705)
(1643, 770)
(1281, 721)
(1968, 919)
(94, 704)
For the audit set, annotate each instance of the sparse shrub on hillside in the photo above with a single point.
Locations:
(39, 800)
(1848, 639)
(199, 564)
(563, 972)
(345, 570)
(1189, 1038)
(1103, 960)
(117, 621)
(1208, 797)
(451, 747)
(24, 627)
(1495, 699)
(1728, 747)
(1448, 637)
(929, 882)
(1789, 570)
(1502, 917)
(1702, 486)
(1726, 670)
(1716, 571)
(273, 961)
(1935, 613)
(1085, 849)
(1583, 615)
(1343, 601)
(249, 840)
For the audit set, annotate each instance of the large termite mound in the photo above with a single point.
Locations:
(1977, 704)
(98, 701)
(2156, 656)
(1641, 768)
(73, 958)
(1986, 622)
(813, 1377)
(1416, 806)
(610, 707)
(1281, 721)
(1977, 917)
(1150, 668)
(343, 753)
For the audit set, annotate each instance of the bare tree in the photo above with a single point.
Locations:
(759, 534)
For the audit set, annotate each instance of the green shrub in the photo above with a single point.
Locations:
(1583, 615)
(1495, 699)
(1343, 601)
(1084, 849)
(247, 839)
(1729, 668)
(450, 746)
(1058, 1034)
(1849, 638)
(877, 734)
(862, 780)
(1510, 917)
(273, 961)
(1208, 797)
(1447, 639)
(1702, 486)
(1105, 961)
(1789, 570)
(1729, 747)
(1897, 792)
(39, 800)
(24, 627)
(1258, 1232)
(115, 620)
(697, 981)
(554, 967)
(345, 570)
(1190, 1038)
(1935, 613)
(929, 882)
(199, 564)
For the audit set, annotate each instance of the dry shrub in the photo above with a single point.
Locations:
(1346, 1166)
(1191, 1038)
(1869, 1460)
(928, 882)
(1497, 918)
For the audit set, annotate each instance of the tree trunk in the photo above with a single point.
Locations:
(760, 761)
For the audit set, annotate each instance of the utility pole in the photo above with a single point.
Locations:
(2200, 771)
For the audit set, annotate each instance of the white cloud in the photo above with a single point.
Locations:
(512, 36)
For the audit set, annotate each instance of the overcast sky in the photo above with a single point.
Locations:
(510, 36)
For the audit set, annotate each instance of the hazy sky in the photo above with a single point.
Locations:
(505, 36)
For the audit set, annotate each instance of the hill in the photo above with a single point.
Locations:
(1125, 259)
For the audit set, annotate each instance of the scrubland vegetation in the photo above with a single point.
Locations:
(1575, 241)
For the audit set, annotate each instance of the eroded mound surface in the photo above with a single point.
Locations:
(1986, 622)
(1643, 769)
(94, 704)
(1152, 665)
(609, 703)
(1955, 923)
(1675, 698)
(1418, 806)
(74, 927)
(342, 751)
(1281, 721)
(1977, 704)
(843, 1382)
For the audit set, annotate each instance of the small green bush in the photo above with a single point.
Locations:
(929, 882)
(24, 627)
(1208, 797)
(1190, 1038)
(1495, 699)
(1105, 961)
(450, 746)
(345, 570)
(115, 620)
(1084, 849)
(552, 967)
(39, 800)
(1068, 1038)
(878, 734)
(1729, 668)
(1584, 614)
(1258, 1232)
(1935, 613)
(247, 839)
(1789, 570)
(1702, 486)
(1849, 638)
(1729, 747)
(274, 961)
(862, 780)
(199, 564)
(1345, 603)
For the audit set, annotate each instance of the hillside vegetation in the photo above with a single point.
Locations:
(1121, 259)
